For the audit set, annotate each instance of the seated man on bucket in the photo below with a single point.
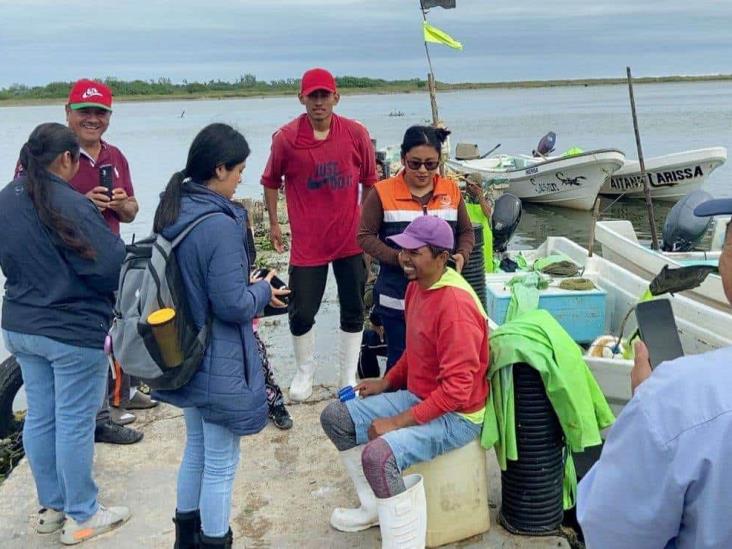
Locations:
(431, 402)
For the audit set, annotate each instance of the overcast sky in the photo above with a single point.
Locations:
(47, 40)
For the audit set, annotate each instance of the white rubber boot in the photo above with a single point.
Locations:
(365, 516)
(348, 353)
(302, 384)
(403, 518)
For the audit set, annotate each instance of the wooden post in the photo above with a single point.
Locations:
(255, 208)
(433, 97)
(595, 216)
(644, 178)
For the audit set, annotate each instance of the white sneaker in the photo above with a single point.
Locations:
(49, 520)
(104, 520)
(120, 416)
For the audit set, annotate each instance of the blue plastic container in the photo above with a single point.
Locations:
(581, 313)
(346, 393)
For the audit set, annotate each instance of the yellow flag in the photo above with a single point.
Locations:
(435, 35)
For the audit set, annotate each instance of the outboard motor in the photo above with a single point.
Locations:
(546, 145)
(682, 229)
(505, 220)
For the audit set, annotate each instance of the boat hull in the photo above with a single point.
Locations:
(701, 328)
(571, 182)
(620, 245)
(671, 176)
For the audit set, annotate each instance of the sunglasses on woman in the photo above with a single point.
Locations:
(417, 164)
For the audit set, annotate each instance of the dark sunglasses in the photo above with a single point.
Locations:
(417, 164)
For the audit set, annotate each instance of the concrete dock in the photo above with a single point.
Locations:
(287, 484)
(286, 487)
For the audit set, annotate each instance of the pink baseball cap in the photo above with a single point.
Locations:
(317, 79)
(423, 231)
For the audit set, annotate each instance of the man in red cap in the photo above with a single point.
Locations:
(320, 158)
(88, 112)
(104, 177)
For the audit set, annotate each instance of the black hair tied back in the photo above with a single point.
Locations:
(416, 136)
(35, 146)
(215, 145)
(442, 134)
(45, 145)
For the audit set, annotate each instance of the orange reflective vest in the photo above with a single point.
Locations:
(400, 209)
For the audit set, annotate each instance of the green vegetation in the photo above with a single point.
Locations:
(11, 452)
(248, 85)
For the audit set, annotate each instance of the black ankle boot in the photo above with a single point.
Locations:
(224, 542)
(187, 530)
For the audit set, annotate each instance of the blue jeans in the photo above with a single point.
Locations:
(206, 475)
(415, 444)
(64, 385)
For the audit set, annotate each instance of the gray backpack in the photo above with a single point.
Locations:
(151, 280)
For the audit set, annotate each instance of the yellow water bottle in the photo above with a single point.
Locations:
(165, 330)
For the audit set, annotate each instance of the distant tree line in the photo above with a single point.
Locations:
(246, 84)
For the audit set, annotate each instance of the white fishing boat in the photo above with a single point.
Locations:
(621, 246)
(670, 176)
(701, 328)
(570, 182)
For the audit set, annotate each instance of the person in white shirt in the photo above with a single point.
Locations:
(664, 478)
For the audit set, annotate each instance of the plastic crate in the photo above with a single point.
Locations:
(581, 313)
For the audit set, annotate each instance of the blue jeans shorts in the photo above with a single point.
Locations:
(415, 444)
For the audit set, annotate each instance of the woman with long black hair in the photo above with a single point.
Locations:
(61, 263)
(226, 398)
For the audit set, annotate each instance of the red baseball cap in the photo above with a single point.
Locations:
(317, 79)
(88, 93)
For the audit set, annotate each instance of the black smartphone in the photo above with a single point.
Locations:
(106, 178)
(658, 330)
(277, 283)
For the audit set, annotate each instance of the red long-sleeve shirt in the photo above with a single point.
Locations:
(321, 179)
(446, 357)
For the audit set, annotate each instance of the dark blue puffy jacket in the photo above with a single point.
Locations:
(50, 290)
(228, 388)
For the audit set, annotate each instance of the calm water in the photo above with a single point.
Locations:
(673, 117)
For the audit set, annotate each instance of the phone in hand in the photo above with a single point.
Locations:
(277, 283)
(658, 330)
(106, 178)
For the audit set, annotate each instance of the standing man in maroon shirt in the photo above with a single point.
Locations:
(88, 112)
(320, 158)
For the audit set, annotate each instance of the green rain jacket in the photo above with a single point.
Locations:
(536, 338)
(476, 215)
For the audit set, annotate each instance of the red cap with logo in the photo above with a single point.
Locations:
(317, 79)
(88, 93)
